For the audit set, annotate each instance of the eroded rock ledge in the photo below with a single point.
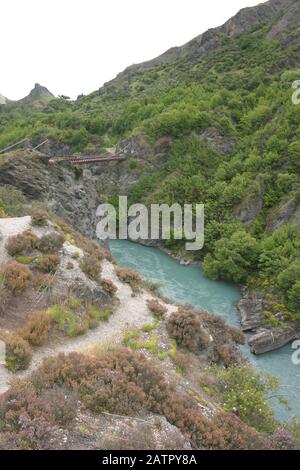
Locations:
(264, 339)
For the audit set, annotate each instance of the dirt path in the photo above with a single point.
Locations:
(131, 312)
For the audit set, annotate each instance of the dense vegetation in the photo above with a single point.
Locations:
(241, 91)
(124, 382)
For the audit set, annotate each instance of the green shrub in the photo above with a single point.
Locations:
(294, 297)
(233, 258)
(26, 259)
(65, 320)
(17, 353)
(95, 315)
(246, 390)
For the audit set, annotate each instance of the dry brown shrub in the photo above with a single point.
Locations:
(109, 286)
(39, 217)
(91, 267)
(48, 263)
(36, 328)
(21, 244)
(156, 307)
(16, 276)
(129, 276)
(51, 243)
(186, 328)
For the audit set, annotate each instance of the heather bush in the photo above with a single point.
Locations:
(220, 331)
(91, 267)
(120, 382)
(48, 263)
(92, 248)
(5, 298)
(186, 328)
(39, 217)
(109, 286)
(282, 439)
(42, 281)
(181, 361)
(36, 328)
(129, 276)
(22, 243)
(224, 354)
(156, 307)
(237, 435)
(58, 405)
(17, 353)
(15, 276)
(50, 243)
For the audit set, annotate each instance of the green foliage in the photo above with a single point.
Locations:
(65, 320)
(246, 391)
(233, 259)
(17, 353)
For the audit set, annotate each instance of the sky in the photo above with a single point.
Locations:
(75, 46)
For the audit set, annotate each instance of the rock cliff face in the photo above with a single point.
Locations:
(68, 192)
(250, 309)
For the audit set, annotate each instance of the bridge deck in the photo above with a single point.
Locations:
(87, 159)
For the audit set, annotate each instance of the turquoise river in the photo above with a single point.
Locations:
(187, 284)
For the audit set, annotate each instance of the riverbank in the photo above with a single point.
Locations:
(264, 338)
(188, 285)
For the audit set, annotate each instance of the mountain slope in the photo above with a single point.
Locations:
(245, 21)
(2, 99)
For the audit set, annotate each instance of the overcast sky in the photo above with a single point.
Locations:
(74, 46)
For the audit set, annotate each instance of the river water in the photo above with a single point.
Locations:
(187, 284)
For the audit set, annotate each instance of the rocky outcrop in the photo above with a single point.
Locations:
(68, 192)
(220, 143)
(266, 340)
(250, 309)
(249, 208)
(38, 93)
(287, 212)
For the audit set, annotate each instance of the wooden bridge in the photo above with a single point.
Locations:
(84, 160)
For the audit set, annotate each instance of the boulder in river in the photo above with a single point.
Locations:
(269, 339)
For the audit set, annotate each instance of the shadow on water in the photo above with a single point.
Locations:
(187, 284)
